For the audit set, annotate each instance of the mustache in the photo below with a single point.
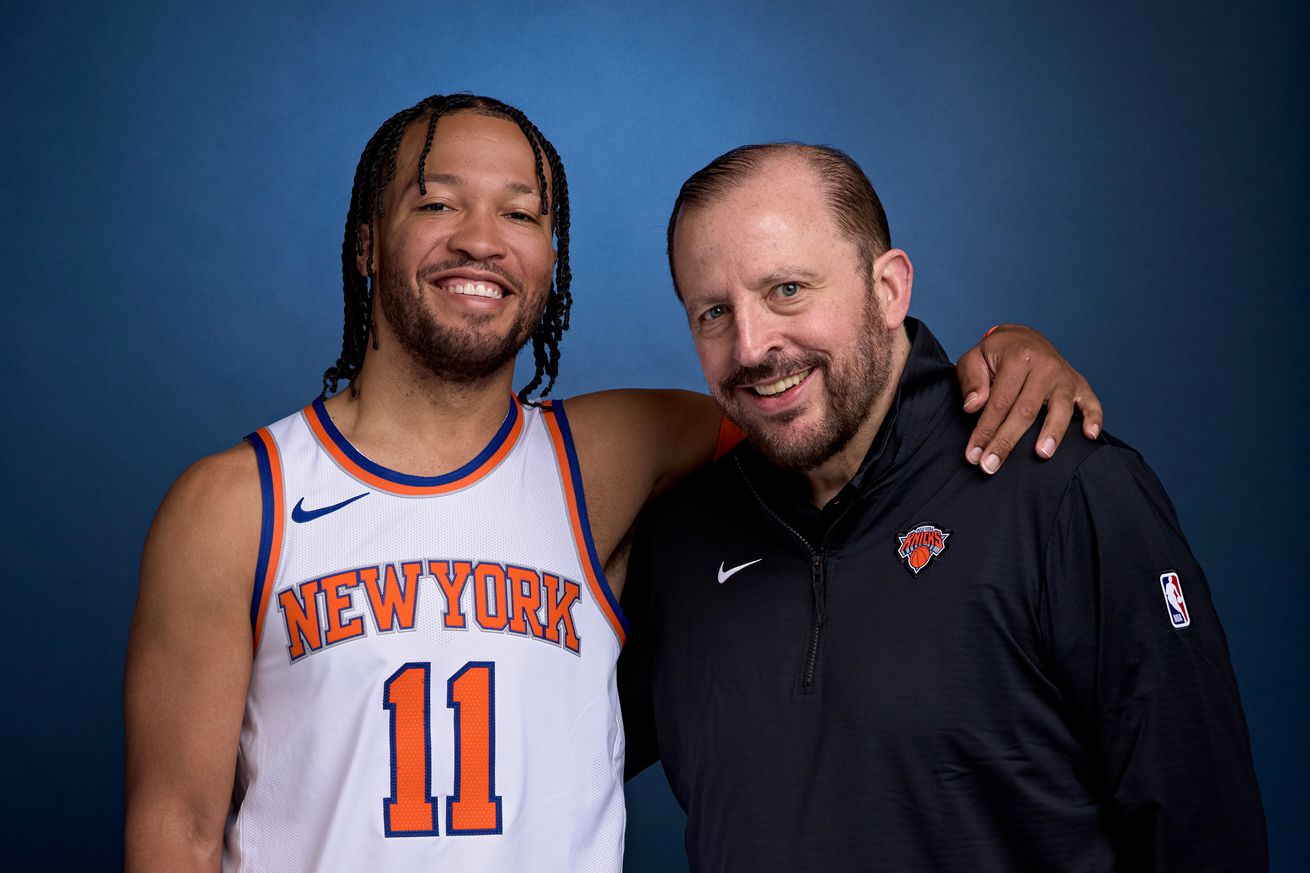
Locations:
(513, 282)
(772, 368)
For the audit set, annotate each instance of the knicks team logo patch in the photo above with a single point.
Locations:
(919, 546)
(1172, 586)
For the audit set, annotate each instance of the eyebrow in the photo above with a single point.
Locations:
(768, 280)
(456, 181)
(786, 274)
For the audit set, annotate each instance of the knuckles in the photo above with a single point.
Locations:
(1002, 445)
(1001, 403)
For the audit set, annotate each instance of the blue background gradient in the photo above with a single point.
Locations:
(1130, 178)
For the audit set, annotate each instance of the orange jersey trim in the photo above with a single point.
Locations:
(571, 477)
(375, 475)
(729, 436)
(271, 527)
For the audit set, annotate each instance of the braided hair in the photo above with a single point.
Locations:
(374, 174)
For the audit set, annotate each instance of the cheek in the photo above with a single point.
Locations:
(537, 254)
(714, 361)
(534, 267)
(828, 334)
(406, 248)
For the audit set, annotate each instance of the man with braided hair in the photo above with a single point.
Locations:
(381, 633)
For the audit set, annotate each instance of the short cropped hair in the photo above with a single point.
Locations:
(854, 204)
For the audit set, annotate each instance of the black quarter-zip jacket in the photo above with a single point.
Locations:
(1028, 700)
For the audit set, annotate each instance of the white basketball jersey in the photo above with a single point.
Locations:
(433, 684)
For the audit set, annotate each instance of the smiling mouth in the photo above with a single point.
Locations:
(773, 389)
(472, 289)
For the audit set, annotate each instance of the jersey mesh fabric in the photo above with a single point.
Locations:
(320, 705)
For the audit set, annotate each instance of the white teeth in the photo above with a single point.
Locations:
(781, 385)
(476, 289)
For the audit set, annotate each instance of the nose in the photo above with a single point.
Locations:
(477, 236)
(756, 334)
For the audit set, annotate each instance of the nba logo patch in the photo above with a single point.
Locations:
(1172, 587)
(921, 545)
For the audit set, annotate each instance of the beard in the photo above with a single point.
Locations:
(461, 354)
(850, 388)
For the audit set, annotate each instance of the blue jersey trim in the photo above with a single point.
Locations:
(339, 439)
(266, 523)
(575, 472)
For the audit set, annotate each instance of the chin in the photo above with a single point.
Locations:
(785, 449)
(794, 444)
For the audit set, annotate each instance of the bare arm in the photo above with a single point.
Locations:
(188, 665)
(632, 444)
(635, 443)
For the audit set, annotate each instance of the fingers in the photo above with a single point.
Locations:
(1004, 422)
(993, 438)
(1023, 412)
(1059, 411)
(1029, 374)
(1087, 401)
(975, 377)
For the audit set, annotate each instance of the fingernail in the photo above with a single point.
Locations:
(970, 399)
(1047, 447)
(991, 463)
(975, 454)
(1096, 430)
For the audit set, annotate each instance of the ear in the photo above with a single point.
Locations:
(363, 249)
(893, 277)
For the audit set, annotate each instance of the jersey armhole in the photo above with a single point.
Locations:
(729, 436)
(557, 423)
(270, 526)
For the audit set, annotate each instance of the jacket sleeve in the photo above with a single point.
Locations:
(636, 662)
(1146, 673)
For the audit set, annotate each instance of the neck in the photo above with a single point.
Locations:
(831, 476)
(408, 419)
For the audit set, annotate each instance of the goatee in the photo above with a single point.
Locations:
(850, 389)
(460, 354)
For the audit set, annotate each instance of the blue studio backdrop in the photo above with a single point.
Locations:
(1130, 178)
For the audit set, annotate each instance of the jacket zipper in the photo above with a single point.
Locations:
(816, 583)
(816, 626)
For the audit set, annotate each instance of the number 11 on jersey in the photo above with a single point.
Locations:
(474, 808)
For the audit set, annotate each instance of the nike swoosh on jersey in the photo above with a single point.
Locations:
(725, 575)
(301, 515)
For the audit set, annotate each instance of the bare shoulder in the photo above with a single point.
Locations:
(210, 518)
(632, 443)
(218, 480)
(653, 433)
(634, 404)
(192, 617)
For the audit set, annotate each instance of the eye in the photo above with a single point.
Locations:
(435, 206)
(714, 313)
(788, 289)
(520, 215)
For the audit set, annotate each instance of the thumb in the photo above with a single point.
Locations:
(975, 379)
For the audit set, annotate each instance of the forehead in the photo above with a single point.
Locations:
(478, 149)
(778, 214)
